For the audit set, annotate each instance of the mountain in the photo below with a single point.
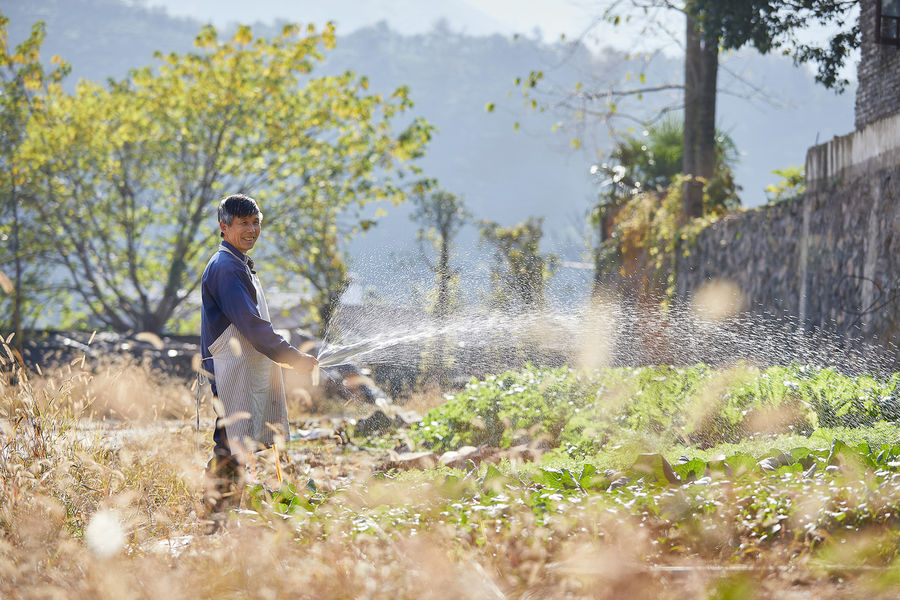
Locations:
(407, 16)
(505, 174)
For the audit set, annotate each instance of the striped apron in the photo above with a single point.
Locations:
(250, 386)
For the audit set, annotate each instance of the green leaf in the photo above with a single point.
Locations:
(740, 464)
(690, 470)
(653, 467)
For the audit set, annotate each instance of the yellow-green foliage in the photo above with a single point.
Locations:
(648, 232)
(157, 149)
(791, 186)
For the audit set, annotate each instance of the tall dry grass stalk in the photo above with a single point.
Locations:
(119, 388)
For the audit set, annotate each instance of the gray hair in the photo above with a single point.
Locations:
(237, 205)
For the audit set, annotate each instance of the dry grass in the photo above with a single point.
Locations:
(120, 389)
(113, 512)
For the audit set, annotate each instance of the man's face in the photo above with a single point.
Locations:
(242, 232)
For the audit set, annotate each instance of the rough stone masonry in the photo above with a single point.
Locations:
(830, 259)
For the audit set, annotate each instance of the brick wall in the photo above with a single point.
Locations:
(878, 94)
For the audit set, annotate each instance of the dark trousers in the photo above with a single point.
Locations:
(220, 437)
(222, 448)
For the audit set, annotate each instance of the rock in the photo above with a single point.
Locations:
(407, 418)
(522, 454)
(457, 459)
(773, 462)
(785, 459)
(411, 460)
(317, 433)
(769, 464)
(174, 356)
(377, 422)
(620, 482)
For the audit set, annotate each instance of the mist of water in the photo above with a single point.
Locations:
(600, 333)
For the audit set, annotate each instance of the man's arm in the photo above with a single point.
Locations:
(235, 294)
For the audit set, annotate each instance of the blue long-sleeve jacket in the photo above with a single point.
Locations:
(228, 296)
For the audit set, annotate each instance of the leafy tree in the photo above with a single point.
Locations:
(24, 245)
(710, 26)
(520, 270)
(766, 25)
(133, 170)
(774, 25)
(651, 161)
(322, 265)
(440, 216)
(646, 161)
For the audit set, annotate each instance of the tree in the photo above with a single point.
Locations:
(791, 186)
(652, 160)
(766, 25)
(24, 245)
(440, 216)
(774, 25)
(711, 25)
(637, 177)
(321, 265)
(132, 171)
(520, 270)
(701, 69)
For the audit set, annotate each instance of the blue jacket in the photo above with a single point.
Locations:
(228, 296)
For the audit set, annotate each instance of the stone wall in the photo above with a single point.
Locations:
(878, 72)
(829, 260)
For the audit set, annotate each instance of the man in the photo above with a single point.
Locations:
(241, 352)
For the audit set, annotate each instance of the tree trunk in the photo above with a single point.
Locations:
(327, 303)
(701, 65)
(442, 306)
(329, 271)
(601, 269)
(443, 296)
(692, 190)
(706, 120)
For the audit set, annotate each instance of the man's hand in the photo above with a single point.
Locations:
(306, 363)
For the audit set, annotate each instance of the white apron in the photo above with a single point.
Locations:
(250, 386)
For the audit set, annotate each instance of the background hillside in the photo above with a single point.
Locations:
(503, 174)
